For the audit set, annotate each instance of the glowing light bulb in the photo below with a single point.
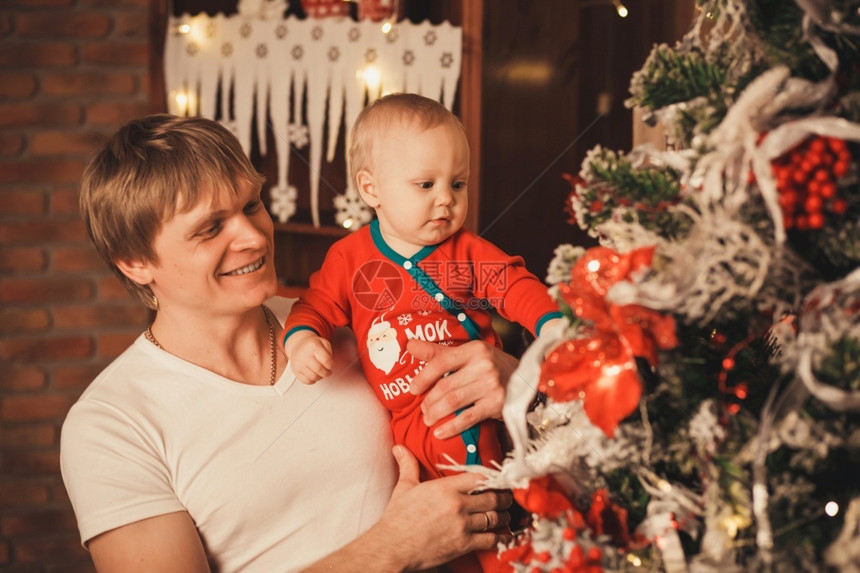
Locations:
(347, 223)
(386, 27)
(634, 560)
(184, 102)
(731, 528)
(184, 28)
(620, 8)
(593, 266)
(831, 508)
(371, 77)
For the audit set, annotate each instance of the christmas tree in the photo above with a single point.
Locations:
(702, 406)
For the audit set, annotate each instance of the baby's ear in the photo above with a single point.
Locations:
(136, 270)
(367, 188)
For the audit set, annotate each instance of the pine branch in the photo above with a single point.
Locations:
(672, 76)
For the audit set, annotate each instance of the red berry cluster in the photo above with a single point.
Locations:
(806, 180)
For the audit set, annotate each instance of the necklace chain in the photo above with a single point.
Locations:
(270, 322)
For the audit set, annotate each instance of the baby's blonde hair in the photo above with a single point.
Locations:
(392, 110)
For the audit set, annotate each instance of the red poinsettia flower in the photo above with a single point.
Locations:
(544, 496)
(600, 367)
(607, 518)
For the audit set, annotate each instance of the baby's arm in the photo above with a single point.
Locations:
(504, 281)
(309, 356)
(312, 319)
(549, 325)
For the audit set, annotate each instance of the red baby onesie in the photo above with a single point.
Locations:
(441, 294)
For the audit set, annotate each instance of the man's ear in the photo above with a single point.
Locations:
(136, 270)
(367, 188)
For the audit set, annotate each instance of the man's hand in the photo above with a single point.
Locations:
(425, 524)
(309, 356)
(476, 378)
(442, 518)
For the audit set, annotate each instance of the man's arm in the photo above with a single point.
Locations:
(425, 524)
(166, 543)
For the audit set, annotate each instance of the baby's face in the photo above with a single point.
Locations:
(421, 180)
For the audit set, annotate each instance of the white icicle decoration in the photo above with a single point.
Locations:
(264, 66)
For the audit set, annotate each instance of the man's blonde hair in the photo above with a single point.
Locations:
(392, 110)
(149, 170)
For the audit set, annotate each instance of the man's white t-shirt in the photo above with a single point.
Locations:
(274, 477)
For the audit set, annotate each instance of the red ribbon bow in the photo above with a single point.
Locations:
(600, 367)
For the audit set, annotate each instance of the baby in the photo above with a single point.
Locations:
(413, 273)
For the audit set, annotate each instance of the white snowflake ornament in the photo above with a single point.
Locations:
(298, 135)
(283, 202)
(352, 211)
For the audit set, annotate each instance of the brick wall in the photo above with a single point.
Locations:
(71, 71)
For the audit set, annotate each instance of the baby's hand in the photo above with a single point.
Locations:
(309, 356)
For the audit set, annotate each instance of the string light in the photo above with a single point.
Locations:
(831, 508)
(728, 364)
(185, 102)
(731, 526)
(388, 25)
(347, 223)
(371, 77)
(194, 31)
(620, 8)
